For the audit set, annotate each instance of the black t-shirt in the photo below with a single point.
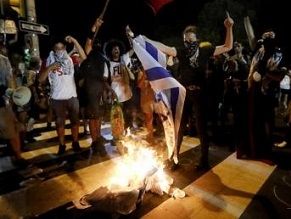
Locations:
(188, 75)
(91, 70)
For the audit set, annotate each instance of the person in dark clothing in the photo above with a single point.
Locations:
(91, 70)
(236, 70)
(193, 62)
(266, 72)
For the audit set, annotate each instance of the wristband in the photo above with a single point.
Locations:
(91, 35)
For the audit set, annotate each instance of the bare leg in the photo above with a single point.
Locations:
(98, 127)
(149, 125)
(93, 129)
(15, 144)
(75, 133)
(61, 135)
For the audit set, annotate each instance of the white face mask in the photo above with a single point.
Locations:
(60, 53)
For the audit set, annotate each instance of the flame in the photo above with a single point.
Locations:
(139, 167)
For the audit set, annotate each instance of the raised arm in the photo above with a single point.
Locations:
(130, 36)
(171, 51)
(228, 44)
(250, 33)
(77, 47)
(92, 35)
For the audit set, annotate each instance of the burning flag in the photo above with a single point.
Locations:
(156, 5)
(169, 92)
(137, 171)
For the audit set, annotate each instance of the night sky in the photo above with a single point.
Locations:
(67, 17)
(76, 17)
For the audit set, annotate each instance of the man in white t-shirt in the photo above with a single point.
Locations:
(60, 72)
(117, 75)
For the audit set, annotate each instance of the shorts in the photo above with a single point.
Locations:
(96, 106)
(62, 108)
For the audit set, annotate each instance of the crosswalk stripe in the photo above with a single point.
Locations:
(68, 186)
(223, 192)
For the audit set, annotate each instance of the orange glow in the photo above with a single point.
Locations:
(140, 166)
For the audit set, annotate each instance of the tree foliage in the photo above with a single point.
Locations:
(211, 17)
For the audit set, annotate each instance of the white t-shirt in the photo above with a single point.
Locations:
(123, 91)
(62, 81)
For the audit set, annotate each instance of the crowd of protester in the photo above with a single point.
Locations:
(81, 85)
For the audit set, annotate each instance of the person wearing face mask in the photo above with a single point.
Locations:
(60, 72)
(267, 69)
(192, 74)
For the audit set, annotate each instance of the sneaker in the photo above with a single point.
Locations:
(21, 163)
(48, 125)
(29, 139)
(35, 133)
(171, 165)
(62, 149)
(86, 130)
(31, 181)
(93, 147)
(103, 139)
(24, 147)
(76, 146)
(98, 148)
(102, 151)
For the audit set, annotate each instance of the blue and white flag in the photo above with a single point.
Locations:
(169, 92)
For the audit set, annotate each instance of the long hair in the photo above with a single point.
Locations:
(112, 43)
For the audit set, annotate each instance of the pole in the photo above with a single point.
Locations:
(32, 38)
(101, 16)
(2, 16)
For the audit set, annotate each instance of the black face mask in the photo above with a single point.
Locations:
(191, 44)
(191, 47)
(269, 44)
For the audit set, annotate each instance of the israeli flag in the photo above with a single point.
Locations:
(169, 92)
